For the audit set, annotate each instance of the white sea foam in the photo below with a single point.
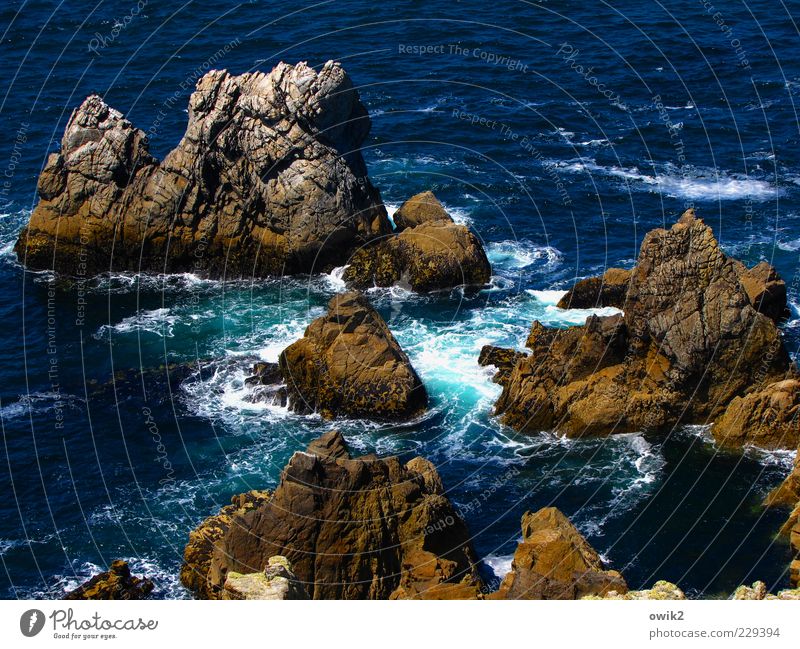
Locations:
(521, 254)
(335, 278)
(690, 183)
(447, 357)
(160, 322)
(37, 402)
(500, 564)
(555, 316)
(547, 297)
(789, 246)
(391, 208)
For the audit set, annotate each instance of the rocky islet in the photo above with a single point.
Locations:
(269, 179)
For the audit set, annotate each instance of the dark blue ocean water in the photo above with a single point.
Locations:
(560, 131)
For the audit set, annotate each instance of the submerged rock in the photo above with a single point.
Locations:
(276, 581)
(689, 342)
(264, 374)
(116, 583)
(268, 179)
(348, 364)
(554, 561)
(429, 253)
(363, 528)
(206, 537)
(266, 385)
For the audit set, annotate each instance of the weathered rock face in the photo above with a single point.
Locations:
(349, 364)
(554, 561)
(765, 288)
(276, 582)
(661, 590)
(116, 583)
(420, 208)
(608, 290)
(502, 359)
(330, 445)
(364, 528)
(268, 179)
(430, 253)
(689, 343)
(206, 537)
(767, 418)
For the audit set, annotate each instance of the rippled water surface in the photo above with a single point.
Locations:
(103, 457)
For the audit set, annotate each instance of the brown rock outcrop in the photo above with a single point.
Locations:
(689, 343)
(349, 364)
(420, 208)
(554, 561)
(430, 253)
(206, 537)
(765, 288)
(503, 359)
(767, 418)
(364, 528)
(116, 583)
(268, 179)
(330, 444)
(608, 290)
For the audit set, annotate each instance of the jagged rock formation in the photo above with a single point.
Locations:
(688, 344)
(116, 583)
(661, 590)
(430, 252)
(364, 528)
(765, 290)
(276, 581)
(349, 364)
(268, 179)
(206, 537)
(554, 561)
